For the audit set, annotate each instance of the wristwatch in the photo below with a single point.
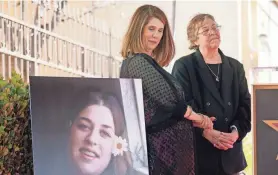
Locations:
(233, 127)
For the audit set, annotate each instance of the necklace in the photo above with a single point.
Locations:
(216, 76)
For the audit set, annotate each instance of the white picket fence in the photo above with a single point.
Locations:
(55, 39)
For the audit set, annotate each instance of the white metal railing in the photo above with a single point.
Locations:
(66, 45)
(264, 75)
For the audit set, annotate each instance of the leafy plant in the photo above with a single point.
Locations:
(15, 127)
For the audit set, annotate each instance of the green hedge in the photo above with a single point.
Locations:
(15, 127)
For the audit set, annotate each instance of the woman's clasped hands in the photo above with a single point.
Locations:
(221, 140)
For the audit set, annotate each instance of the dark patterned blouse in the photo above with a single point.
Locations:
(169, 136)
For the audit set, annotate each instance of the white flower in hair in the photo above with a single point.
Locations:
(120, 145)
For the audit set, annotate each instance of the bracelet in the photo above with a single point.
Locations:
(202, 122)
(202, 116)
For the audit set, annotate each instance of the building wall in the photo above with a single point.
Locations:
(226, 13)
(239, 21)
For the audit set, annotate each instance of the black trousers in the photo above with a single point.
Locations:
(220, 170)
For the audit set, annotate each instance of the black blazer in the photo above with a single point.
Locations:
(230, 107)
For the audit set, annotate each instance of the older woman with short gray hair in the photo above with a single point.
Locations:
(214, 84)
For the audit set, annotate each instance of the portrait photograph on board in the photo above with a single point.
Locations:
(88, 126)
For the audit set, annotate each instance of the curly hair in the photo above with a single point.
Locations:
(193, 28)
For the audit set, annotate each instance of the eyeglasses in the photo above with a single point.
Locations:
(214, 28)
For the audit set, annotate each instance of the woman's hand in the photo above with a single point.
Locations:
(206, 122)
(199, 120)
(219, 139)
